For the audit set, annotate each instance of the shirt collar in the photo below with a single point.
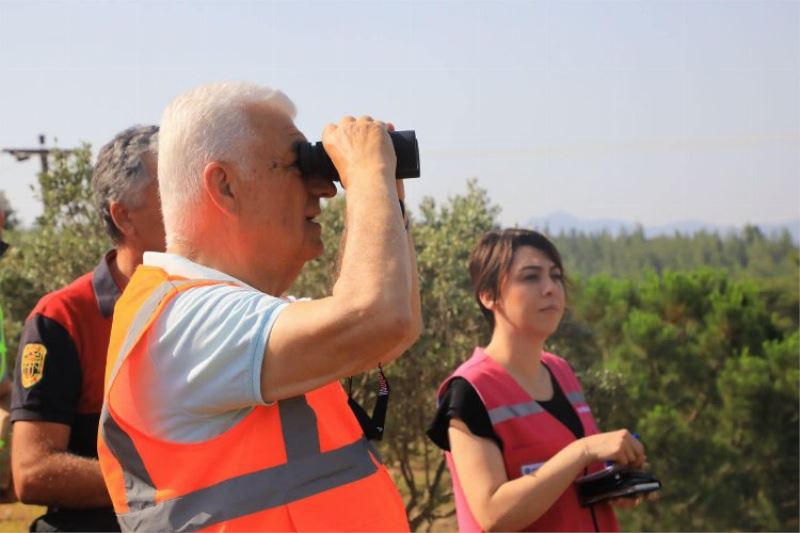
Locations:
(178, 265)
(106, 290)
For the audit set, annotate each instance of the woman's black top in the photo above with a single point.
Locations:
(460, 400)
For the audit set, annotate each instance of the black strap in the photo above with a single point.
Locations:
(372, 426)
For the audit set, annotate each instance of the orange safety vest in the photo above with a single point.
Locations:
(300, 464)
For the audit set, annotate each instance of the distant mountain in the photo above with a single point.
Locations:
(562, 222)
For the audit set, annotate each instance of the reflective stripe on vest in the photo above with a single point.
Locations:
(275, 486)
(307, 471)
(140, 321)
(506, 412)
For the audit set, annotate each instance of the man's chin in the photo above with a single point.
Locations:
(314, 251)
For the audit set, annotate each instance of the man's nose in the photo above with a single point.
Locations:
(321, 187)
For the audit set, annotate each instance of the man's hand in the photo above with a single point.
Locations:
(359, 147)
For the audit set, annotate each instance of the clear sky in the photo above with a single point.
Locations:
(648, 111)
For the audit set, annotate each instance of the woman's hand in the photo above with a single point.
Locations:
(619, 446)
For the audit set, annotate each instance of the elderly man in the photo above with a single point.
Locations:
(223, 407)
(58, 389)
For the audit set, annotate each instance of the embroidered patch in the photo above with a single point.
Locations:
(32, 364)
(531, 468)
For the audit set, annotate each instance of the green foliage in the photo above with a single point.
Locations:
(759, 421)
(748, 254)
(67, 241)
(698, 366)
(12, 221)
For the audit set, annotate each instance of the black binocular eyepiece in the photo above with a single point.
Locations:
(314, 161)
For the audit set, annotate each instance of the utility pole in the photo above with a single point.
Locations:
(23, 154)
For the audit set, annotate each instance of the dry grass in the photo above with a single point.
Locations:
(443, 524)
(439, 525)
(18, 516)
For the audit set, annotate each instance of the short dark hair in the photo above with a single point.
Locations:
(490, 260)
(120, 174)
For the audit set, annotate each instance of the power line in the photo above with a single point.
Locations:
(23, 154)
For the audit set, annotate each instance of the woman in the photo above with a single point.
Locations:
(513, 419)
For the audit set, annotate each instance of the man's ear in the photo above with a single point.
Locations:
(121, 217)
(221, 186)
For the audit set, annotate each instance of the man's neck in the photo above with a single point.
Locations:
(124, 263)
(233, 265)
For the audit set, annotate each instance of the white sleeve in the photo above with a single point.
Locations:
(210, 345)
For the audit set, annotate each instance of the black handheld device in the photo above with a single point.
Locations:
(314, 161)
(614, 482)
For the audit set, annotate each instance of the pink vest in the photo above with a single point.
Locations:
(530, 437)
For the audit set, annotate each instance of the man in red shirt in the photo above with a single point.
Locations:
(60, 367)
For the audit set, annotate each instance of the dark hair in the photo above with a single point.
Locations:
(490, 260)
(120, 174)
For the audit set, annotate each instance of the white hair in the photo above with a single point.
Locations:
(208, 123)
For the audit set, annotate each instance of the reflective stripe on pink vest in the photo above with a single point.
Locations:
(530, 437)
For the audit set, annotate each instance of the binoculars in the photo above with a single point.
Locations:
(314, 161)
